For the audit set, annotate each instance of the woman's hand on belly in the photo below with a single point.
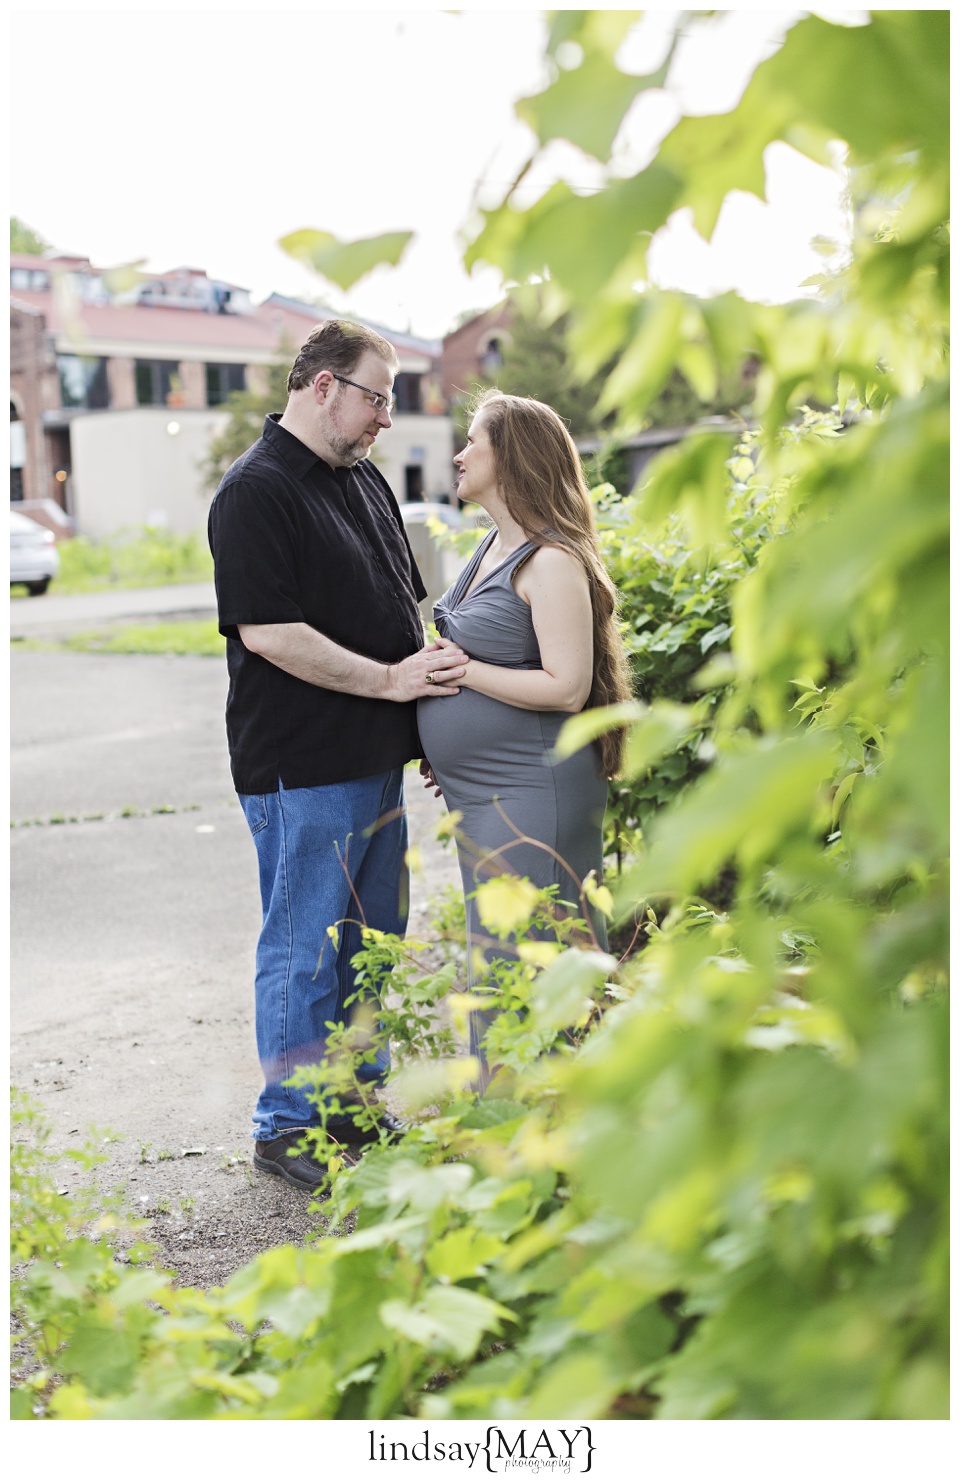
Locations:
(554, 584)
(429, 780)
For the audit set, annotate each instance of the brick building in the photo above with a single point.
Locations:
(473, 352)
(118, 383)
(34, 390)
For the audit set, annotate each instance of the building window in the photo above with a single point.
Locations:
(83, 381)
(154, 380)
(413, 483)
(31, 280)
(491, 357)
(406, 392)
(221, 380)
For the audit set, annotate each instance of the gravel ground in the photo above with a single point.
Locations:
(133, 924)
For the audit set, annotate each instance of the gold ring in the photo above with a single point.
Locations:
(430, 679)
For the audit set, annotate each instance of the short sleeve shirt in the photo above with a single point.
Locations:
(296, 541)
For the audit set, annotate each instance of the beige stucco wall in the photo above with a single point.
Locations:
(404, 443)
(130, 469)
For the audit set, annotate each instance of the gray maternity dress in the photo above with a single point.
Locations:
(493, 760)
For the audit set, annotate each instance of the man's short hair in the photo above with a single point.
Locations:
(336, 345)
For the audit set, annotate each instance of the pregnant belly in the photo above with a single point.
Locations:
(473, 740)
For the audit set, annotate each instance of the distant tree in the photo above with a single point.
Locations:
(23, 238)
(678, 404)
(536, 361)
(247, 410)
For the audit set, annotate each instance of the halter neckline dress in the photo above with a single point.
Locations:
(493, 761)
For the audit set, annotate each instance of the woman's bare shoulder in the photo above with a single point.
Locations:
(554, 563)
(551, 574)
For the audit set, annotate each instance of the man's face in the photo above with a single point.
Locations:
(350, 421)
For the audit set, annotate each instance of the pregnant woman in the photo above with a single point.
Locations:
(536, 613)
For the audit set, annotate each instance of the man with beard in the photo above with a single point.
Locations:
(317, 593)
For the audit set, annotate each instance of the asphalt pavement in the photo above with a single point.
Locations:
(54, 612)
(134, 917)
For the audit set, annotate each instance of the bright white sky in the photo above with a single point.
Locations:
(201, 137)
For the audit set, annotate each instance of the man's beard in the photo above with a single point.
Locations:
(348, 453)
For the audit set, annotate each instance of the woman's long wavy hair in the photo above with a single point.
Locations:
(540, 477)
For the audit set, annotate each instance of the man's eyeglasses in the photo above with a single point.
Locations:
(381, 402)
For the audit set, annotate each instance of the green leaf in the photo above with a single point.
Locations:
(729, 322)
(305, 1391)
(489, 1112)
(585, 106)
(744, 808)
(618, 222)
(579, 1387)
(844, 789)
(104, 1358)
(660, 730)
(286, 1287)
(585, 727)
(721, 153)
(692, 477)
(901, 64)
(648, 359)
(594, 30)
(425, 1189)
(696, 363)
(124, 277)
(506, 903)
(564, 990)
(344, 263)
(448, 1320)
(21, 1404)
(463, 1253)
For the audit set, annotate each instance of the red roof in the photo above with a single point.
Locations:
(142, 323)
(259, 330)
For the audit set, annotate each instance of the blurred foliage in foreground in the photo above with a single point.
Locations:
(710, 1182)
(534, 361)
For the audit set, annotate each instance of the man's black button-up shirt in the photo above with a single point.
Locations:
(295, 541)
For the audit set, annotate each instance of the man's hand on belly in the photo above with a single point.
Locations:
(309, 655)
(433, 671)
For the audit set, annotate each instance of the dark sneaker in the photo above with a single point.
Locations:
(279, 1156)
(387, 1128)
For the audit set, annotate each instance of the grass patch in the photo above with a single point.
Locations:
(139, 558)
(184, 637)
(54, 820)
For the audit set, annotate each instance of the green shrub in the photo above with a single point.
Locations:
(201, 637)
(144, 558)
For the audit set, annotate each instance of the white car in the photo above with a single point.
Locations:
(34, 559)
(439, 565)
(418, 513)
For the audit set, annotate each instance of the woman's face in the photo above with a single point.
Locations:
(478, 474)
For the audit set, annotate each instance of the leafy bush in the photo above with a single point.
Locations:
(143, 558)
(723, 1203)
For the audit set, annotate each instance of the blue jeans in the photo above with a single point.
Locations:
(305, 888)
